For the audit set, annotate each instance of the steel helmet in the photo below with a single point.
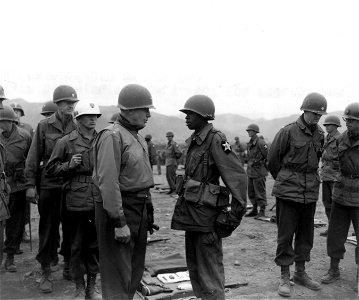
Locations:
(148, 137)
(114, 118)
(134, 96)
(7, 114)
(48, 107)
(200, 104)
(2, 93)
(65, 92)
(352, 111)
(16, 106)
(315, 103)
(86, 108)
(169, 133)
(253, 127)
(332, 120)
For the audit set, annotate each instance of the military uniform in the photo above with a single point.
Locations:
(257, 151)
(123, 174)
(79, 194)
(209, 157)
(152, 153)
(26, 127)
(345, 207)
(330, 169)
(47, 133)
(172, 153)
(293, 162)
(239, 150)
(16, 144)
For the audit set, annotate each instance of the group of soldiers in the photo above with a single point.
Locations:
(97, 185)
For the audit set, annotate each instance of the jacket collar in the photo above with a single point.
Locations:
(303, 127)
(346, 140)
(199, 137)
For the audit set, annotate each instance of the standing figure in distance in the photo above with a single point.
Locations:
(19, 111)
(172, 153)
(239, 150)
(151, 149)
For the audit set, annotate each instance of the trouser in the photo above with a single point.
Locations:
(122, 265)
(204, 257)
(2, 228)
(49, 206)
(339, 225)
(84, 247)
(171, 176)
(65, 249)
(257, 191)
(294, 218)
(15, 224)
(159, 169)
(327, 195)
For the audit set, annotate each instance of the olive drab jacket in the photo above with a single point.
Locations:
(172, 153)
(330, 160)
(17, 146)
(80, 192)
(346, 189)
(47, 133)
(293, 162)
(209, 165)
(257, 152)
(121, 163)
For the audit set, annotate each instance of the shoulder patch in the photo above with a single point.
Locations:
(226, 147)
(265, 146)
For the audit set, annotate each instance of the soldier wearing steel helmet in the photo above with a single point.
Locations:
(329, 172)
(72, 159)
(19, 111)
(345, 207)
(172, 153)
(257, 152)
(2, 96)
(151, 149)
(114, 118)
(49, 196)
(124, 212)
(48, 109)
(202, 209)
(293, 160)
(16, 143)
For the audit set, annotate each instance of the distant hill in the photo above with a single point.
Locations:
(231, 124)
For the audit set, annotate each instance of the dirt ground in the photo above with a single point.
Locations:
(248, 257)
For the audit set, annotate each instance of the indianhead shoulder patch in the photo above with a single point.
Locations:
(226, 147)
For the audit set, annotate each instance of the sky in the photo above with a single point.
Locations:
(255, 58)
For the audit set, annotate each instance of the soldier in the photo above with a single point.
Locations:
(202, 209)
(72, 159)
(172, 153)
(293, 162)
(20, 113)
(48, 109)
(345, 207)
(124, 211)
(48, 131)
(114, 118)
(16, 142)
(151, 149)
(239, 150)
(330, 163)
(257, 151)
(159, 161)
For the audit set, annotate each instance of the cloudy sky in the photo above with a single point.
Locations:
(254, 58)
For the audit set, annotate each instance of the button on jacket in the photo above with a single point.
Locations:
(172, 152)
(16, 146)
(346, 190)
(79, 188)
(293, 162)
(257, 158)
(330, 160)
(131, 171)
(222, 163)
(47, 133)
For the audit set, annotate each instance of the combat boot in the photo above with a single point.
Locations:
(91, 291)
(66, 271)
(261, 213)
(9, 264)
(301, 277)
(284, 282)
(253, 212)
(333, 272)
(80, 289)
(45, 285)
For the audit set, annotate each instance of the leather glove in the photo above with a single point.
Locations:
(150, 218)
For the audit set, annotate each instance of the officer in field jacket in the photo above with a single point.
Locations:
(202, 209)
(329, 172)
(47, 133)
(172, 154)
(72, 159)
(124, 211)
(293, 160)
(345, 208)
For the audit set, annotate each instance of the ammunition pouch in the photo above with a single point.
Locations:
(205, 193)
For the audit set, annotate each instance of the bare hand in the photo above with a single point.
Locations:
(122, 234)
(75, 161)
(31, 195)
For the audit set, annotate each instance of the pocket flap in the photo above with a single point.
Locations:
(78, 186)
(214, 189)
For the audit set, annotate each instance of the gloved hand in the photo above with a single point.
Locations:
(31, 195)
(150, 218)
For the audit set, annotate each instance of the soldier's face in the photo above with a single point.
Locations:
(87, 121)
(18, 113)
(330, 128)
(352, 125)
(139, 117)
(66, 107)
(311, 118)
(6, 126)
(251, 133)
(193, 121)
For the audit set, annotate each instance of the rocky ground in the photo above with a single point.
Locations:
(248, 258)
